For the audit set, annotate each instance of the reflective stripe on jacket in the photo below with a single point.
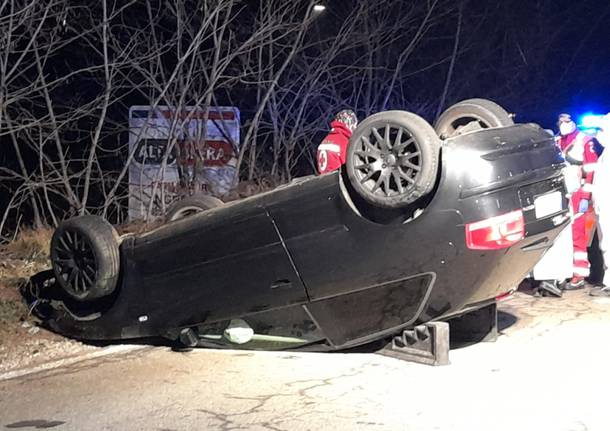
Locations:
(333, 149)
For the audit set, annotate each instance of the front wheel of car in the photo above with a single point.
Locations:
(191, 205)
(85, 257)
(393, 158)
(469, 115)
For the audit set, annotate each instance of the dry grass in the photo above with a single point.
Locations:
(19, 260)
(22, 341)
(137, 227)
(246, 189)
(30, 244)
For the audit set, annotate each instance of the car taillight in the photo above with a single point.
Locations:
(496, 232)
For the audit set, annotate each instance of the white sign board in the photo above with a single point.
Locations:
(173, 156)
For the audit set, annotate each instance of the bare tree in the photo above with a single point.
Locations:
(70, 70)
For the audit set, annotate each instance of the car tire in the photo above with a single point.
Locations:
(392, 159)
(85, 257)
(471, 114)
(191, 205)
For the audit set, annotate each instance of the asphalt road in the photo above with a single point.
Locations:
(549, 370)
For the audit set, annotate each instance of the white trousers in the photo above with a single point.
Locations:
(557, 262)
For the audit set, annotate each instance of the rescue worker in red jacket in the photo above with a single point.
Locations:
(332, 151)
(579, 151)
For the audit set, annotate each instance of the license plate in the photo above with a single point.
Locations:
(548, 204)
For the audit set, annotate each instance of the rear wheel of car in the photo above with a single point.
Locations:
(191, 205)
(393, 158)
(85, 257)
(469, 115)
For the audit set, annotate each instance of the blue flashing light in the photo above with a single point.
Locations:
(589, 130)
(589, 121)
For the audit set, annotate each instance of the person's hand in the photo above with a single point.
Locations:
(583, 206)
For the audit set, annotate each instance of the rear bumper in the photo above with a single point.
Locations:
(474, 279)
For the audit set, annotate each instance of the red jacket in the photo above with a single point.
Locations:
(333, 149)
(579, 149)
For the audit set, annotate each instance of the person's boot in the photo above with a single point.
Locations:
(576, 283)
(602, 292)
(550, 288)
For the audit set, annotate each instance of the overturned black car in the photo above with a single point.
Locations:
(421, 225)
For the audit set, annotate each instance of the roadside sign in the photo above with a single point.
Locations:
(179, 152)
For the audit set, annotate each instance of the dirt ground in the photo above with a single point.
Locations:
(23, 343)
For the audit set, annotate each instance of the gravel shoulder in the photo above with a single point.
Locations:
(23, 342)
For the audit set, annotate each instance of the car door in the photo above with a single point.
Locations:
(216, 265)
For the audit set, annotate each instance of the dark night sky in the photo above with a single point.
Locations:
(582, 59)
(561, 49)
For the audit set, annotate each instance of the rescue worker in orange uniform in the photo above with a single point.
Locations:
(579, 151)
